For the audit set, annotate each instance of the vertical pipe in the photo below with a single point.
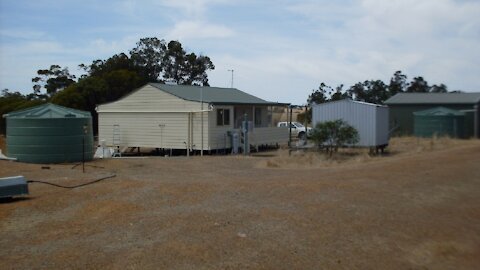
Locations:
(188, 135)
(246, 144)
(306, 122)
(201, 127)
(289, 116)
(191, 131)
(253, 115)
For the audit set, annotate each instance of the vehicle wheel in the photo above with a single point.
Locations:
(301, 136)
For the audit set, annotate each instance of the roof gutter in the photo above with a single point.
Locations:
(152, 111)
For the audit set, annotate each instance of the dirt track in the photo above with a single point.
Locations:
(409, 210)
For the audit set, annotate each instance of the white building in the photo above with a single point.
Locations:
(370, 120)
(186, 117)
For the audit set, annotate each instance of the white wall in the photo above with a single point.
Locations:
(217, 139)
(162, 130)
(197, 130)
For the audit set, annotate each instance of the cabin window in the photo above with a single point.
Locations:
(223, 117)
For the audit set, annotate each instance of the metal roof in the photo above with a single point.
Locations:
(439, 111)
(214, 95)
(351, 101)
(434, 98)
(48, 110)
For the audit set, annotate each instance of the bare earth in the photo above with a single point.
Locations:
(416, 208)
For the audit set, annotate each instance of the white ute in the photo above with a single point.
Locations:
(297, 129)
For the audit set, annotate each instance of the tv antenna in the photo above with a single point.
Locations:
(231, 85)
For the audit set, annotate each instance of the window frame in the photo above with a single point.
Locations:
(223, 117)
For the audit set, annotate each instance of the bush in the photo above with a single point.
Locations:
(334, 134)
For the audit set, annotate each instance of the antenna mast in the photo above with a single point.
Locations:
(231, 85)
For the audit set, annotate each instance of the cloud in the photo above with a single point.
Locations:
(192, 8)
(198, 30)
(21, 33)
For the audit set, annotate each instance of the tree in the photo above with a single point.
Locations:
(120, 83)
(442, 88)
(339, 94)
(398, 83)
(195, 69)
(173, 62)
(358, 91)
(12, 101)
(148, 58)
(99, 67)
(370, 91)
(323, 94)
(334, 134)
(320, 95)
(377, 91)
(418, 85)
(53, 80)
(183, 68)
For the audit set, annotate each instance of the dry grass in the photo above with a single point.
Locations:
(410, 145)
(399, 146)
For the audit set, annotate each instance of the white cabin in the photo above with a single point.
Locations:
(187, 117)
(370, 120)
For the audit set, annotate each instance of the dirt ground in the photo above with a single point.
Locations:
(418, 207)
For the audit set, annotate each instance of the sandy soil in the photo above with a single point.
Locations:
(415, 208)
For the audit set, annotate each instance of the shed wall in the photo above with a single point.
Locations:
(382, 126)
(370, 121)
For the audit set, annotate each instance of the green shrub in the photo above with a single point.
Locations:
(334, 134)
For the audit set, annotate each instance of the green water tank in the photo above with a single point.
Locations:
(49, 134)
(439, 121)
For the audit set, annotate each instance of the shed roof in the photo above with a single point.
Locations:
(214, 95)
(350, 101)
(439, 111)
(48, 110)
(434, 98)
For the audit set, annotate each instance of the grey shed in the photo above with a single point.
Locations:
(370, 120)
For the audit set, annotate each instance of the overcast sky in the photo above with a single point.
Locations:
(279, 50)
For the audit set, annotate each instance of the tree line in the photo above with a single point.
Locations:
(372, 91)
(375, 91)
(151, 60)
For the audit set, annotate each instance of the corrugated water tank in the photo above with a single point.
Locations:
(49, 134)
(439, 121)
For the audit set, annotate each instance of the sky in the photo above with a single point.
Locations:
(279, 50)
